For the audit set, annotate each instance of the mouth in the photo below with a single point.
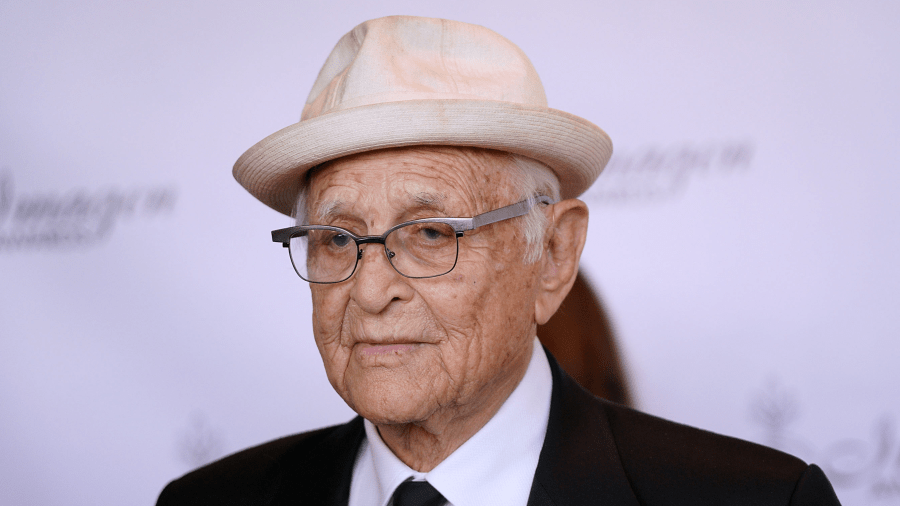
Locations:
(378, 349)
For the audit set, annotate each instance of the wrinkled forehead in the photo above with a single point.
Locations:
(445, 181)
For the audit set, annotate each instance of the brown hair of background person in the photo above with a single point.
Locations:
(581, 338)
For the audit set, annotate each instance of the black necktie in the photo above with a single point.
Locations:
(417, 493)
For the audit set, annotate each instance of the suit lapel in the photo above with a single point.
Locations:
(579, 464)
(320, 475)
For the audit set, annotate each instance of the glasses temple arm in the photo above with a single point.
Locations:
(510, 211)
(283, 235)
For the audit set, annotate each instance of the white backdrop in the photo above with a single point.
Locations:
(745, 237)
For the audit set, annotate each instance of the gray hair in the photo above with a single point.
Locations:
(529, 178)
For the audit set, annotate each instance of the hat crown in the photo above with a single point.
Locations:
(402, 58)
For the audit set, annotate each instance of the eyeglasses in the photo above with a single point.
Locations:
(423, 248)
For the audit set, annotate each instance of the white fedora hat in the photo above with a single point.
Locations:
(409, 81)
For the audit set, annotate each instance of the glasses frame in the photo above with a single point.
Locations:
(459, 225)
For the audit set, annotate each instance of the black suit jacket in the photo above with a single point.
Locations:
(595, 453)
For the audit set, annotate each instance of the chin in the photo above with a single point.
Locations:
(389, 405)
(384, 415)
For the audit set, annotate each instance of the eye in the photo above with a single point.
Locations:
(340, 240)
(432, 233)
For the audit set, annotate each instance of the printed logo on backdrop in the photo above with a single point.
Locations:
(870, 464)
(655, 173)
(200, 443)
(75, 218)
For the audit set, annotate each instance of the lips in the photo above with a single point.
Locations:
(388, 340)
(372, 349)
(393, 336)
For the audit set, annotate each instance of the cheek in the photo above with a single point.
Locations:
(486, 313)
(507, 304)
(451, 301)
(329, 304)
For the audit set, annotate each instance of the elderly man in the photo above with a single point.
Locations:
(437, 225)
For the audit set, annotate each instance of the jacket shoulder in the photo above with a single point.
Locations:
(255, 475)
(671, 463)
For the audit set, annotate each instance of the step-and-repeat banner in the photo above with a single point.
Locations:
(744, 238)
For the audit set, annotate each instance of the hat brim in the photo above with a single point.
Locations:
(576, 149)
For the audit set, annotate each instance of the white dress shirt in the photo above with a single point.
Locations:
(495, 466)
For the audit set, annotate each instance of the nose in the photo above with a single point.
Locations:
(376, 284)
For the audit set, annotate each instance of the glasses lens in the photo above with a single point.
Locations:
(423, 250)
(323, 255)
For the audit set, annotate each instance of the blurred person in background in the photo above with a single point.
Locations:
(580, 337)
(438, 226)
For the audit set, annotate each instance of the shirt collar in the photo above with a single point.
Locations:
(495, 466)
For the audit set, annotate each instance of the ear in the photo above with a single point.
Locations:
(563, 243)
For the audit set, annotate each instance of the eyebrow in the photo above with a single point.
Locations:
(422, 201)
(428, 201)
(330, 209)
